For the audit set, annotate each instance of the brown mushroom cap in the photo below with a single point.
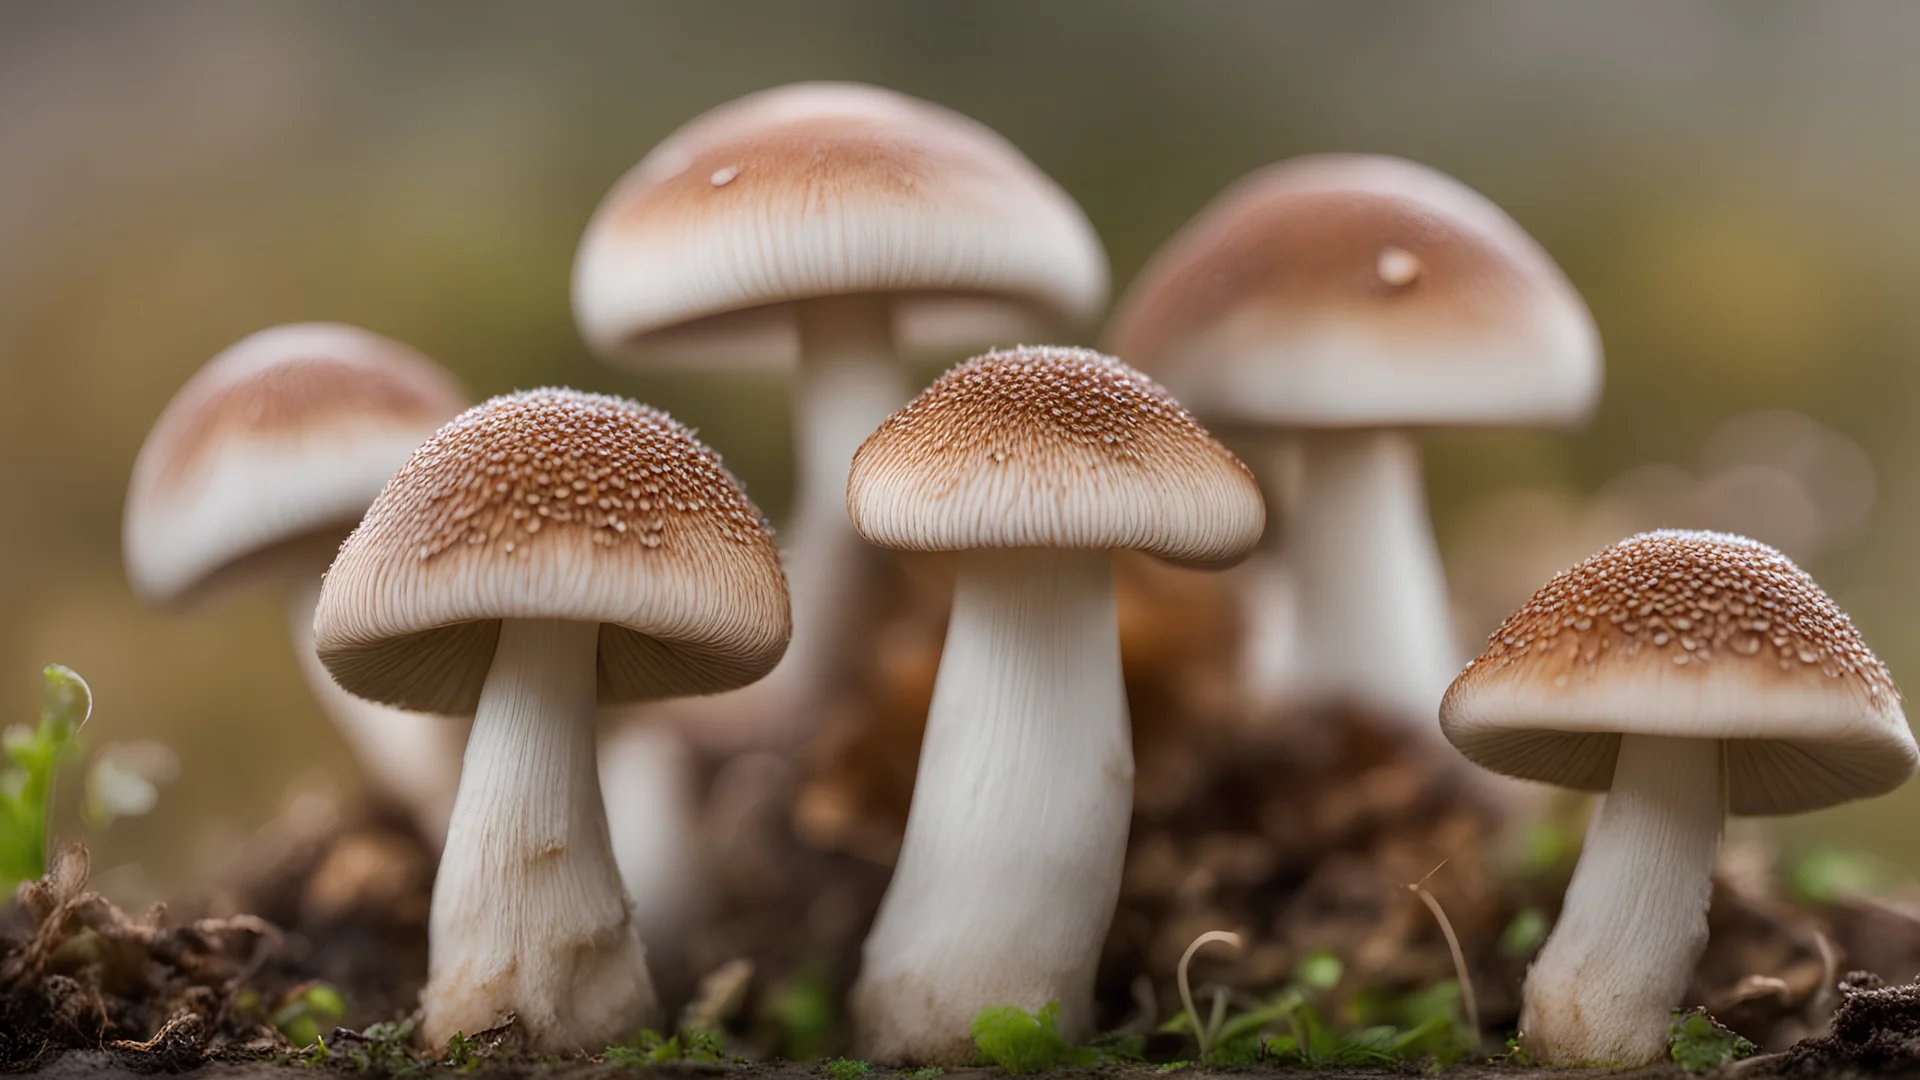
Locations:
(823, 189)
(554, 504)
(1690, 635)
(1041, 446)
(1361, 291)
(287, 434)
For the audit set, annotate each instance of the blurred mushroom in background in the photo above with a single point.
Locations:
(827, 227)
(254, 474)
(1339, 301)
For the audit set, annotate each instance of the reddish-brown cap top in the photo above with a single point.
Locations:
(554, 504)
(1361, 291)
(824, 189)
(1041, 446)
(1687, 635)
(286, 435)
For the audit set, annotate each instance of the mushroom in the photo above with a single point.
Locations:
(255, 472)
(1687, 675)
(648, 777)
(827, 225)
(1331, 303)
(1035, 464)
(544, 552)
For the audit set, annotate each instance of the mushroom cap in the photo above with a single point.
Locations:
(1361, 291)
(1042, 446)
(1689, 635)
(554, 504)
(824, 189)
(284, 437)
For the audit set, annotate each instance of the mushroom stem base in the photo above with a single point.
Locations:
(529, 916)
(1375, 627)
(1010, 867)
(1635, 918)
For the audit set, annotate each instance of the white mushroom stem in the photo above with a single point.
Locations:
(1010, 867)
(1373, 604)
(529, 916)
(848, 382)
(1634, 921)
(411, 758)
(1270, 649)
(647, 780)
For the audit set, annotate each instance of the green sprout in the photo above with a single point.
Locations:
(689, 1046)
(1698, 1043)
(33, 755)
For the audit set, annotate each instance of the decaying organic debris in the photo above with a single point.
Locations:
(76, 971)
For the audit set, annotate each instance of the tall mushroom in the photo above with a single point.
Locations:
(1035, 464)
(828, 225)
(1339, 301)
(545, 552)
(1687, 675)
(256, 471)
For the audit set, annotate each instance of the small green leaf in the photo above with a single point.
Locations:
(1319, 970)
(1698, 1043)
(1524, 934)
(1023, 1042)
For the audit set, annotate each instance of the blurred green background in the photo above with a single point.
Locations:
(1730, 184)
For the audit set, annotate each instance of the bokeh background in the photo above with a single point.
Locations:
(1731, 185)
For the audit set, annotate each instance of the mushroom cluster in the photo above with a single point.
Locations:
(517, 567)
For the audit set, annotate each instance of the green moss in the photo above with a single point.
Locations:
(847, 1069)
(1023, 1042)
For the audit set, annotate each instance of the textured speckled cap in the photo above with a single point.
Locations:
(1041, 446)
(554, 504)
(1691, 635)
(1361, 291)
(823, 189)
(287, 434)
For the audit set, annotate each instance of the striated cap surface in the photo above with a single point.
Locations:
(1356, 291)
(822, 189)
(554, 504)
(288, 433)
(1692, 635)
(1041, 446)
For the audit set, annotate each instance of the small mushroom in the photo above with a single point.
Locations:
(828, 225)
(1329, 304)
(255, 472)
(1035, 464)
(1687, 675)
(546, 552)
